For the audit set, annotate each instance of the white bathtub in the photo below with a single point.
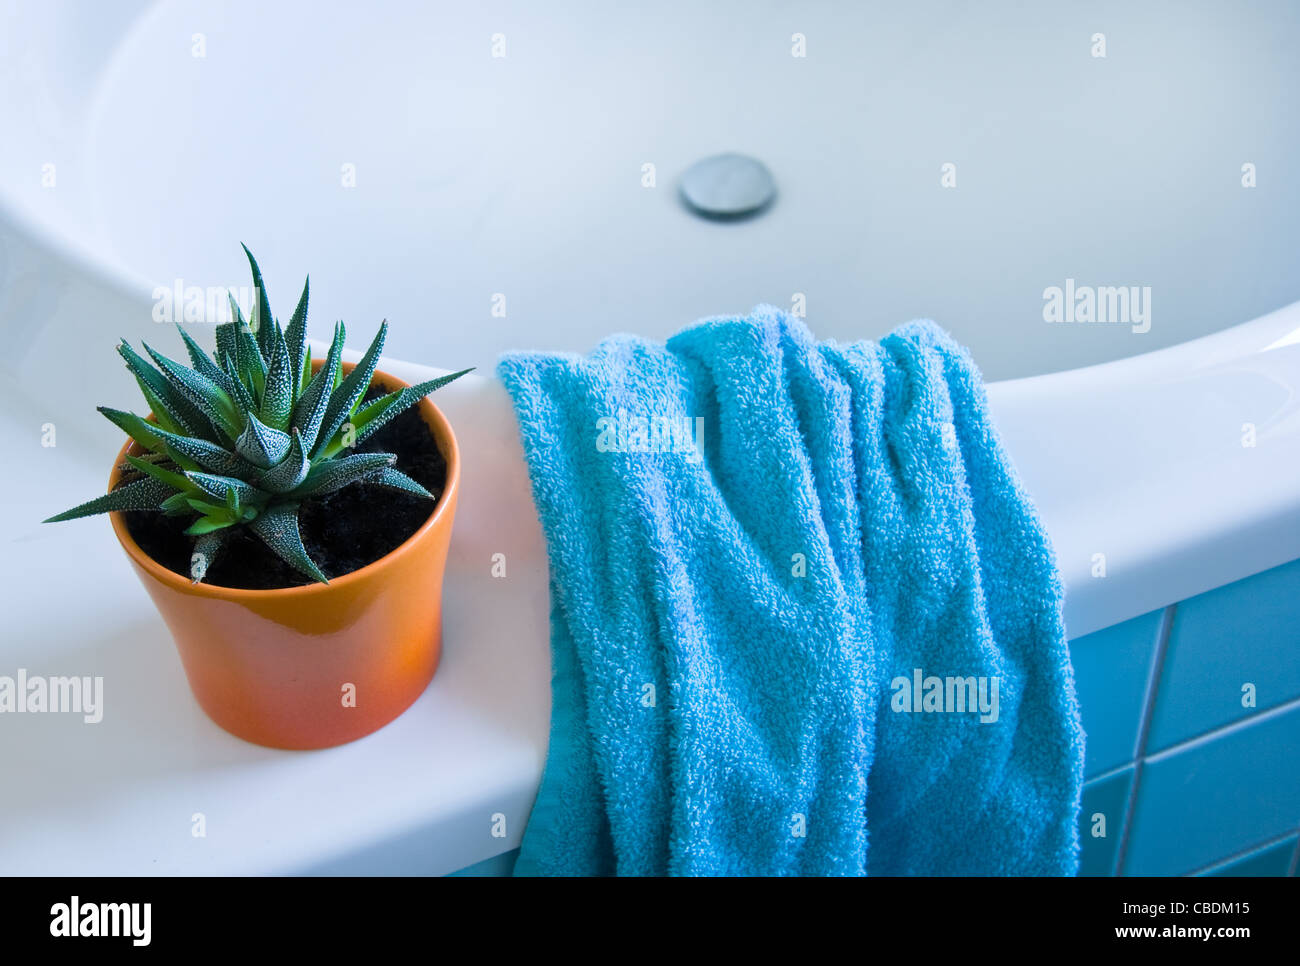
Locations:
(1139, 458)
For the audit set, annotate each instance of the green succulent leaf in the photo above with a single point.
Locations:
(201, 392)
(146, 493)
(162, 398)
(208, 524)
(206, 550)
(353, 387)
(295, 338)
(177, 481)
(383, 410)
(202, 454)
(305, 378)
(277, 397)
(217, 487)
(312, 406)
(397, 480)
(182, 461)
(138, 429)
(261, 445)
(203, 364)
(225, 336)
(206, 507)
(234, 385)
(277, 526)
(330, 475)
(177, 505)
(229, 383)
(263, 323)
(248, 355)
(159, 410)
(290, 471)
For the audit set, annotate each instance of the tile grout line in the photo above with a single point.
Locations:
(1108, 773)
(1204, 737)
(1148, 711)
(1246, 852)
(1222, 731)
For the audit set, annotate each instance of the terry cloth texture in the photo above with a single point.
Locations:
(805, 620)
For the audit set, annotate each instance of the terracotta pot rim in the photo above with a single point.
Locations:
(441, 431)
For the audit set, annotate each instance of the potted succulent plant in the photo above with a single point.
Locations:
(290, 519)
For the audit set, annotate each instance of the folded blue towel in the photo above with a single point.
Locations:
(804, 617)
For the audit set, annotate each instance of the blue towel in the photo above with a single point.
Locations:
(805, 620)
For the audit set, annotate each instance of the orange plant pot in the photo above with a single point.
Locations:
(321, 664)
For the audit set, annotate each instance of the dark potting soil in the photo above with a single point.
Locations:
(342, 531)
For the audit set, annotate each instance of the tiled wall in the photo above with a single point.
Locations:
(1193, 722)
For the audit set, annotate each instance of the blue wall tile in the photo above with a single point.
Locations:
(1111, 670)
(1274, 860)
(1106, 798)
(1245, 632)
(1215, 798)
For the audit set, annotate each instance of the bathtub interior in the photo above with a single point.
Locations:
(516, 183)
(522, 176)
